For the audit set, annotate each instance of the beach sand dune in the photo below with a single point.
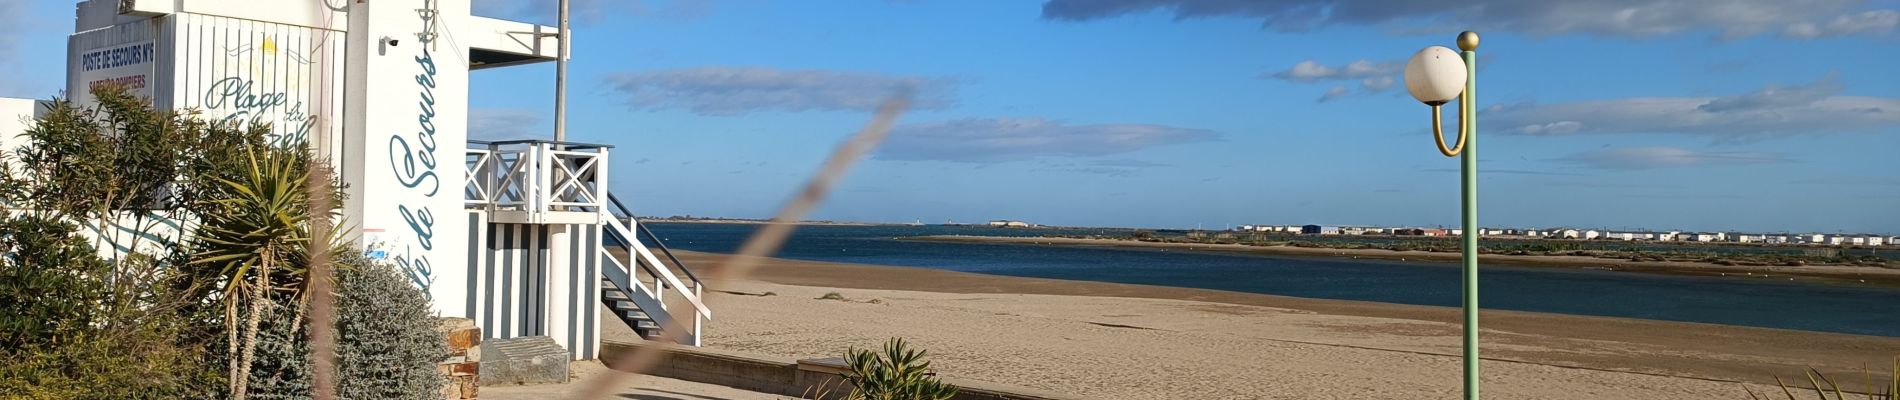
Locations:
(1116, 341)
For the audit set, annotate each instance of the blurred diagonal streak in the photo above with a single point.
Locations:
(766, 241)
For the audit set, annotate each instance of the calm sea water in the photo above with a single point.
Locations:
(1733, 301)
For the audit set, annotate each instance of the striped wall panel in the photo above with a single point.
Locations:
(536, 280)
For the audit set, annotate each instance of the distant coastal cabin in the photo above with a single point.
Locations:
(1702, 236)
(1004, 223)
(1319, 230)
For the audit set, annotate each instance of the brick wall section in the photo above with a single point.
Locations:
(462, 368)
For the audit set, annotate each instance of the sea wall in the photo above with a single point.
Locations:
(785, 377)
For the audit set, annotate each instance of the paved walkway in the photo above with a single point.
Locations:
(639, 387)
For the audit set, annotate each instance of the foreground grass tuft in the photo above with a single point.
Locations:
(1816, 379)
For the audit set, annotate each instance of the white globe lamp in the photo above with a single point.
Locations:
(1435, 75)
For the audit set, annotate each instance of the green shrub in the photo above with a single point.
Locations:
(896, 374)
(49, 282)
(387, 343)
(73, 326)
(281, 369)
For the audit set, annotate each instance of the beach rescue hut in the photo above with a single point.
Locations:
(524, 237)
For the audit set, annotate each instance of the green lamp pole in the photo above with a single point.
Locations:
(1435, 76)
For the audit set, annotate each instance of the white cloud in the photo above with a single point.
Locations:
(1624, 18)
(1013, 139)
(1313, 71)
(1372, 76)
(729, 91)
(1665, 157)
(1379, 83)
(506, 124)
(590, 11)
(1869, 22)
(1776, 96)
(1774, 111)
(1335, 93)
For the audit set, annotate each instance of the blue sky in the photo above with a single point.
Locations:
(1739, 115)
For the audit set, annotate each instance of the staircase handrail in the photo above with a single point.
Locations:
(665, 275)
(648, 233)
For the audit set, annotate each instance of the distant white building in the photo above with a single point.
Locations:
(1702, 236)
(1748, 238)
(1622, 235)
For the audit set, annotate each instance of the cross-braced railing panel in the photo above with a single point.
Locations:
(536, 176)
(576, 178)
(481, 183)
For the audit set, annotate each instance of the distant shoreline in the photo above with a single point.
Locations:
(755, 222)
(1829, 273)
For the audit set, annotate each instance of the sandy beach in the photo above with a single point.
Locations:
(1835, 273)
(1119, 341)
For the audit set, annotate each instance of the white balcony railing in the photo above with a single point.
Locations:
(538, 181)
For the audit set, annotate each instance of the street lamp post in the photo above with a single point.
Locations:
(1435, 76)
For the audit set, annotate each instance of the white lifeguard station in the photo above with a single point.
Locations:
(524, 237)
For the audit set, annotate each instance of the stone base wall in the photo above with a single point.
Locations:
(462, 369)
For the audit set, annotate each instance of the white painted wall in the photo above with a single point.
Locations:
(405, 117)
(15, 116)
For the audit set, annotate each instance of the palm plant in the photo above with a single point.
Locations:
(255, 234)
(897, 374)
(1815, 379)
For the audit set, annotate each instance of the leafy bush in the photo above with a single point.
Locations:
(896, 374)
(73, 326)
(281, 369)
(387, 344)
(44, 256)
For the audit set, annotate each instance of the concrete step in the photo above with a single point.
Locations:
(635, 314)
(613, 295)
(646, 325)
(523, 360)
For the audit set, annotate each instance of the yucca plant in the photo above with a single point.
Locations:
(896, 374)
(256, 233)
(1816, 378)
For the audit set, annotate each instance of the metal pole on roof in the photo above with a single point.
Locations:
(560, 80)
